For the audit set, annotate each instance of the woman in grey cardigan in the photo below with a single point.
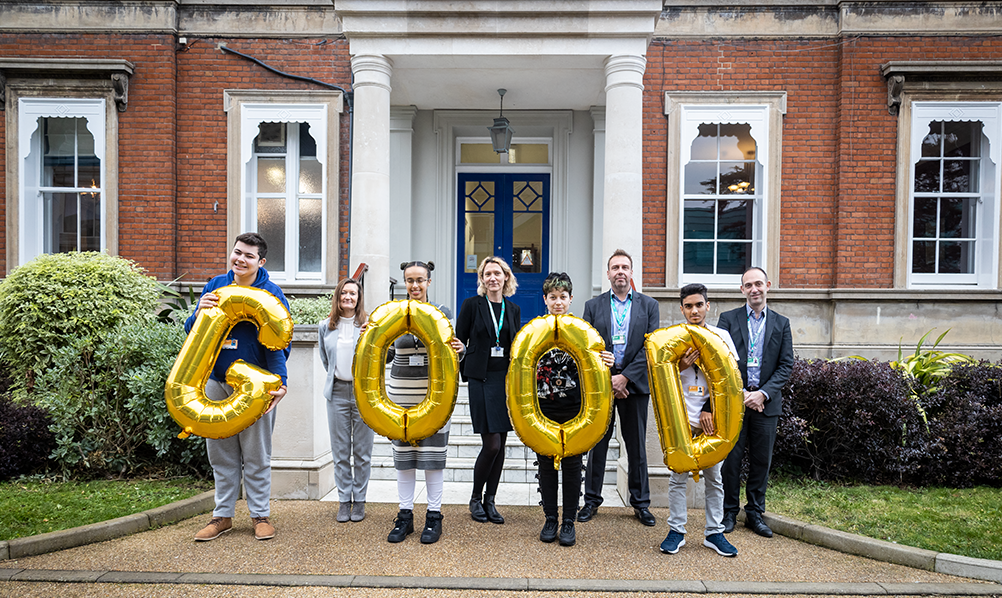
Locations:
(351, 438)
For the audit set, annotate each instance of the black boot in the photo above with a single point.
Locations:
(567, 535)
(492, 513)
(403, 525)
(549, 532)
(477, 510)
(432, 528)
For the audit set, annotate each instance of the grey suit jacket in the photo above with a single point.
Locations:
(777, 353)
(645, 318)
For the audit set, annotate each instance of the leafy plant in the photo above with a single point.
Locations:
(25, 439)
(59, 298)
(928, 366)
(309, 311)
(177, 308)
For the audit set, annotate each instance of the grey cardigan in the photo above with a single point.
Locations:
(328, 352)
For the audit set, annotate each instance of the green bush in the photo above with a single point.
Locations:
(307, 312)
(107, 404)
(60, 298)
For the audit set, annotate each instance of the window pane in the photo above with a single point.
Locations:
(733, 258)
(956, 257)
(270, 138)
(956, 218)
(924, 223)
(310, 234)
(957, 177)
(59, 152)
(528, 153)
(737, 177)
(701, 178)
(59, 228)
(932, 143)
(479, 239)
(924, 257)
(307, 144)
(271, 175)
(961, 139)
(271, 226)
(479, 196)
(90, 222)
(697, 257)
(734, 220)
(89, 169)
(698, 219)
(704, 146)
(310, 177)
(736, 142)
(927, 176)
(478, 153)
(527, 239)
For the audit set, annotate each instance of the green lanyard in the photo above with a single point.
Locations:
(620, 321)
(497, 324)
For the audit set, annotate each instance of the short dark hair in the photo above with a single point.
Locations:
(692, 289)
(617, 253)
(557, 281)
(428, 266)
(256, 240)
(750, 268)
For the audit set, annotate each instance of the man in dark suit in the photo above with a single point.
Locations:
(765, 358)
(623, 317)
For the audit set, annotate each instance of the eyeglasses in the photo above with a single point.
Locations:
(413, 281)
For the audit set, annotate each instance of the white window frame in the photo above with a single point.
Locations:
(986, 252)
(320, 109)
(30, 111)
(763, 112)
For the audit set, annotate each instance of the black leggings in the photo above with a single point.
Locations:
(490, 462)
(571, 468)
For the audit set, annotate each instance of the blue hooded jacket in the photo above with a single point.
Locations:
(245, 334)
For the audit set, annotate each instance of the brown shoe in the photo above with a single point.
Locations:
(263, 529)
(217, 527)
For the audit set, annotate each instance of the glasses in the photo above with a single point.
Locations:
(413, 281)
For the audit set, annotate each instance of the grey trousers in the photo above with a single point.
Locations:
(714, 485)
(351, 444)
(248, 453)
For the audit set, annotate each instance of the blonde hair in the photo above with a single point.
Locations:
(360, 315)
(509, 284)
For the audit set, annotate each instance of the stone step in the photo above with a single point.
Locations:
(516, 471)
(468, 446)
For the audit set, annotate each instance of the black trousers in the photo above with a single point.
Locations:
(571, 468)
(633, 421)
(758, 435)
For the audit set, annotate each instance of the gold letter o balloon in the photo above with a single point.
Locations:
(538, 432)
(185, 388)
(665, 347)
(386, 323)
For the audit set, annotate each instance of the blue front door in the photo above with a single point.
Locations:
(507, 215)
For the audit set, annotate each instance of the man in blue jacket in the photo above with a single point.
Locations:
(249, 452)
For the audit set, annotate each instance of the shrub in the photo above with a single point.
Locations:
(25, 439)
(309, 311)
(60, 298)
(848, 421)
(107, 403)
(965, 429)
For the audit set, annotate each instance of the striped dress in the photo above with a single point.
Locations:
(407, 385)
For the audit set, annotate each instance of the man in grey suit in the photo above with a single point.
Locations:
(623, 317)
(764, 343)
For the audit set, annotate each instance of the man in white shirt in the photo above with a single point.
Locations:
(697, 395)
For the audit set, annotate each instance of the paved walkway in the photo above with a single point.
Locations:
(312, 554)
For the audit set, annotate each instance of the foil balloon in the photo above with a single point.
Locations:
(185, 388)
(538, 432)
(386, 323)
(665, 346)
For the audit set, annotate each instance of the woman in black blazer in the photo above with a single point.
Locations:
(487, 324)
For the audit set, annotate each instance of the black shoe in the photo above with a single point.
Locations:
(645, 516)
(432, 528)
(728, 522)
(587, 513)
(753, 521)
(549, 532)
(567, 536)
(402, 526)
(492, 513)
(477, 510)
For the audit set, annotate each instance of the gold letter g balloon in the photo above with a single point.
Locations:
(185, 389)
(665, 347)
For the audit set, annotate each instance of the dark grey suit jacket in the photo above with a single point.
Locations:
(777, 354)
(644, 319)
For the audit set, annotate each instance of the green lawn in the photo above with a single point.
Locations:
(29, 508)
(963, 522)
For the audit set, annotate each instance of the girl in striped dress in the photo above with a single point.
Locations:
(407, 385)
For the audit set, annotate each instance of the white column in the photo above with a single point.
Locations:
(401, 193)
(623, 210)
(598, 277)
(370, 177)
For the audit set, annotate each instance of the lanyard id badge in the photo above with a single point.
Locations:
(415, 360)
(753, 361)
(497, 350)
(619, 319)
(619, 339)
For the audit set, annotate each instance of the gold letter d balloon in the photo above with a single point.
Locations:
(665, 346)
(185, 389)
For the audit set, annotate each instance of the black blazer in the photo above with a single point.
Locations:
(777, 354)
(475, 328)
(645, 318)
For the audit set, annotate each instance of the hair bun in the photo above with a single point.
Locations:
(431, 266)
(403, 265)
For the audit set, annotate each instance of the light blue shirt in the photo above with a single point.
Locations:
(618, 351)
(756, 345)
